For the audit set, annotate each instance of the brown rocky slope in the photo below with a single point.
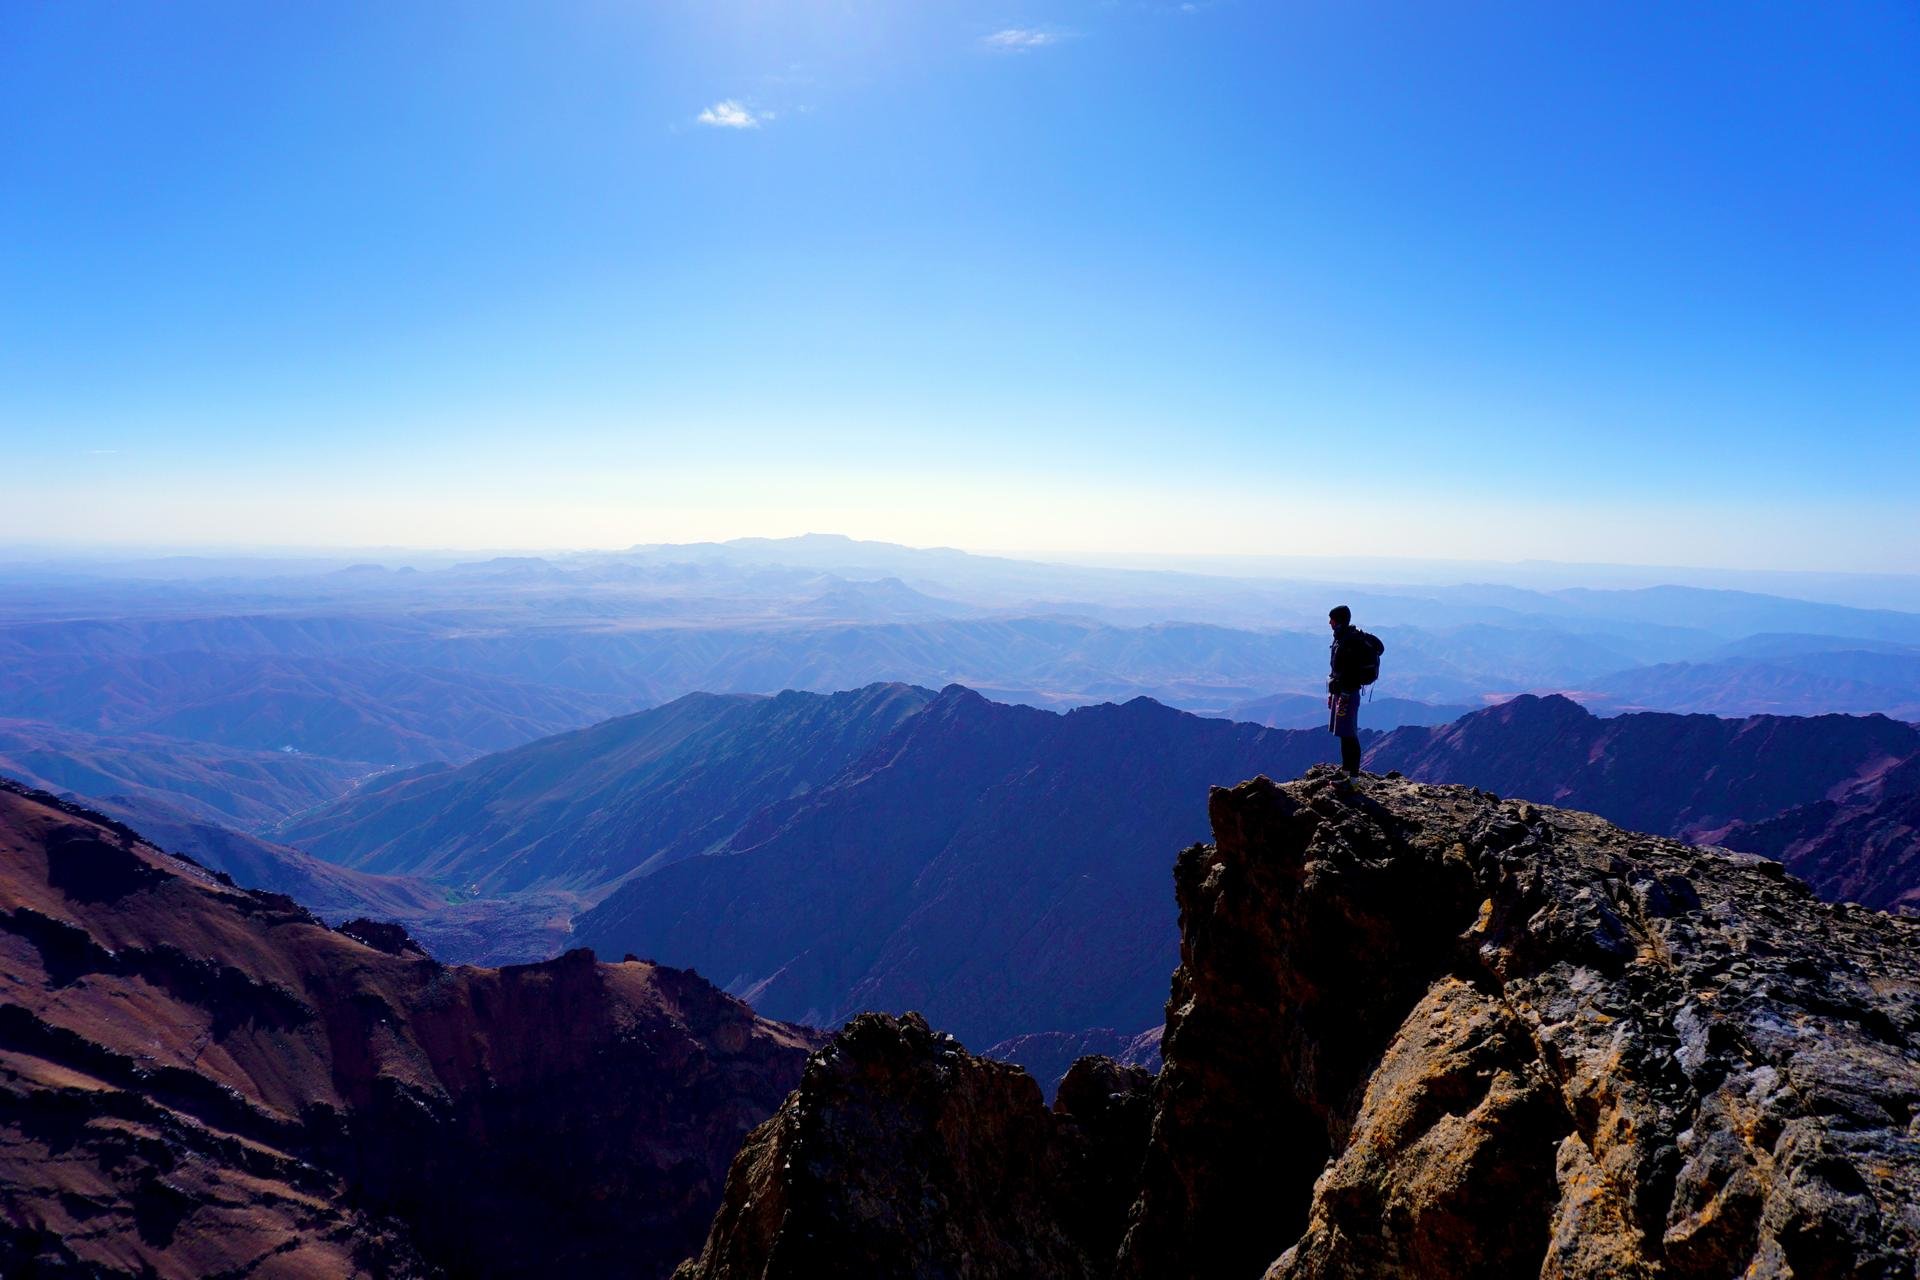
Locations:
(1415, 1031)
(197, 1080)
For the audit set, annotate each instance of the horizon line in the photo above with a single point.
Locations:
(1079, 558)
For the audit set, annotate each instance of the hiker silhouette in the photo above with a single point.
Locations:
(1353, 663)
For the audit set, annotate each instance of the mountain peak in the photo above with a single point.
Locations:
(959, 695)
(1556, 706)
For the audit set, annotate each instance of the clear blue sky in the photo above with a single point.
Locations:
(1612, 281)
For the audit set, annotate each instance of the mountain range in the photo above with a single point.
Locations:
(1371, 979)
(1679, 775)
(893, 848)
(817, 851)
(430, 743)
(443, 659)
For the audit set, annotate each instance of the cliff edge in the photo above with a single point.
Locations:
(1419, 1030)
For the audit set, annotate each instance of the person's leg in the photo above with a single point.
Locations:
(1346, 724)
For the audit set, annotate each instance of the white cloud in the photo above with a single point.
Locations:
(731, 113)
(1020, 39)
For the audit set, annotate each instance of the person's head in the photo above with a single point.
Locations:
(1339, 616)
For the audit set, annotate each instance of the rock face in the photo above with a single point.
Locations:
(1519, 1041)
(198, 1080)
(1420, 1031)
(903, 1155)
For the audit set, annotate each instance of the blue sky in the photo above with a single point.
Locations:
(1627, 282)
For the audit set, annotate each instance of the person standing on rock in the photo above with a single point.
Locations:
(1353, 664)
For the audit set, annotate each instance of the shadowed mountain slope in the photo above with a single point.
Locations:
(1000, 868)
(1415, 1031)
(331, 891)
(1862, 846)
(197, 1080)
(518, 929)
(211, 783)
(582, 810)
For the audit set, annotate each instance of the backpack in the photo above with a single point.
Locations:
(1363, 663)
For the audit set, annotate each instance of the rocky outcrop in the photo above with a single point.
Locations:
(1515, 1040)
(1525, 1042)
(198, 1080)
(1416, 1030)
(901, 1154)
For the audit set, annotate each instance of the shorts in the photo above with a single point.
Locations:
(1345, 722)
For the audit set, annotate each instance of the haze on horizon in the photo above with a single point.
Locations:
(1595, 283)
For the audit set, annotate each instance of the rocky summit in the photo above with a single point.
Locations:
(901, 1154)
(198, 1080)
(1416, 1030)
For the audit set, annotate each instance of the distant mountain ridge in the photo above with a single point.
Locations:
(890, 848)
(1848, 682)
(1000, 865)
(346, 708)
(1836, 797)
(583, 810)
(813, 851)
(1309, 711)
(1649, 771)
(234, 786)
(454, 658)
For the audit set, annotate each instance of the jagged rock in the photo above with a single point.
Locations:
(1416, 1031)
(1446, 1036)
(383, 936)
(1111, 1105)
(901, 1154)
(197, 1080)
